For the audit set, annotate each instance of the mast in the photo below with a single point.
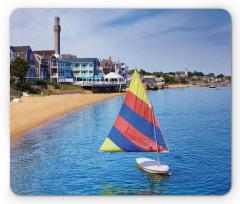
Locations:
(155, 134)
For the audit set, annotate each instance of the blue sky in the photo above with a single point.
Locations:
(150, 39)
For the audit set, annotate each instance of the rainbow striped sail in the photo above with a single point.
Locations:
(133, 130)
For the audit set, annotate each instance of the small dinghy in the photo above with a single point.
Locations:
(17, 100)
(152, 166)
(212, 87)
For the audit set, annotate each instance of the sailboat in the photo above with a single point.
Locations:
(136, 129)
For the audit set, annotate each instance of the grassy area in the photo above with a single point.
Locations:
(64, 87)
(36, 95)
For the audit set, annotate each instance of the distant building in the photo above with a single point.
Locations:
(107, 65)
(121, 69)
(110, 66)
(52, 67)
(57, 30)
(84, 68)
(148, 78)
(159, 80)
(182, 74)
(26, 53)
(67, 56)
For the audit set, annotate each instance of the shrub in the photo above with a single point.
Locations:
(44, 83)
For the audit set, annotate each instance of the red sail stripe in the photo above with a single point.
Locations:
(140, 107)
(137, 137)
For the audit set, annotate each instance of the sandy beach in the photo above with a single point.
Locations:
(36, 111)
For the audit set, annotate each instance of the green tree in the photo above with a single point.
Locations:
(18, 69)
(157, 74)
(168, 79)
(183, 81)
(171, 73)
(220, 76)
(228, 78)
(143, 72)
(130, 72)
(190, 74)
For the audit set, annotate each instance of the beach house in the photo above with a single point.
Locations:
(26, 53)
(52, 67)
(148, 78)
(107, 65)
(121, 68)
(84, 69)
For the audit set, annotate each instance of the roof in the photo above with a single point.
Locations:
(180, 73)
(19, 48)
(149, 76)
(112, 75)
(81, 59)
(66, 56)
(159, 79)
(45, 53)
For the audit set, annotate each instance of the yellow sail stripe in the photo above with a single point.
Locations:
(137, 88)
(109, 146)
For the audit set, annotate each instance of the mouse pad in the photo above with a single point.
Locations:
(120, 101)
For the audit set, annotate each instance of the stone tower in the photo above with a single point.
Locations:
(57, 29)
(186, 73)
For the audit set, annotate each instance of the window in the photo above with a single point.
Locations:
(36, 71)
(31, 56)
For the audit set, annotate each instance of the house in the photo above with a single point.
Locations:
(148, 78)
(121, 69)
(44, 61)
(53, 67)
(159, 80)
(84, 68)
(26, 53)
(107, 65)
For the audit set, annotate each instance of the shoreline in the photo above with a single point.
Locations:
(36, 111)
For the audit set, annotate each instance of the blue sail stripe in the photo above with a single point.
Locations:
(122, 142)
(141, 124)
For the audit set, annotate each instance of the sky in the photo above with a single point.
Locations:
(162, 40)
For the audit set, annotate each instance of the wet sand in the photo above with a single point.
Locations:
(36, 111)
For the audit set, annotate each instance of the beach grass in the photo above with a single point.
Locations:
(36, 95)
(65, 87)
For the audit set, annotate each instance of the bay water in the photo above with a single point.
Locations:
(62, 157)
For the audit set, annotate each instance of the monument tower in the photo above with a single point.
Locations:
(57, 29)
(186, 73)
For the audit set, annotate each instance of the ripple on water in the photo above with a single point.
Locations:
(62, 158)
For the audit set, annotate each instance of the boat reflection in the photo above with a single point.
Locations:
(147, 184)
(158, 183)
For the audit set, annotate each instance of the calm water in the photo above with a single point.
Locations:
(62, 156)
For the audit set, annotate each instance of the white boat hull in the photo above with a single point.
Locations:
(152, 166)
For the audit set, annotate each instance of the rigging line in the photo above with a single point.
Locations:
(116, 159)
(121, 162)
(155, 134)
